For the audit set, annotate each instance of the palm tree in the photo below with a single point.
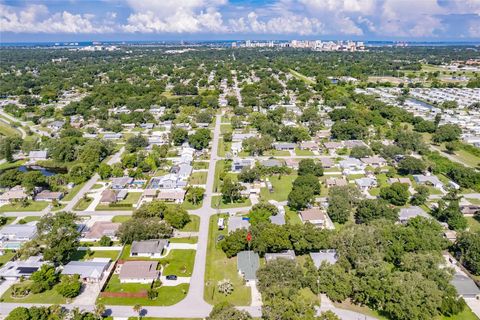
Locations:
(138, 309)
(99, 310)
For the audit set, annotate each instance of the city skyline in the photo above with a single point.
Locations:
(190, 20)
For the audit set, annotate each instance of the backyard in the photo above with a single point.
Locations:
(281, 188)
(218, 268)
(19, 207)
(218, 202)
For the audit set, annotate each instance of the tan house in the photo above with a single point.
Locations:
(315, 216)
(14, 194)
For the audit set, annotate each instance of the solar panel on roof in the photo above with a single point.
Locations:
(27, 270)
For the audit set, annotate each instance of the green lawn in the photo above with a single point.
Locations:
(187, 205)
(32, 206)
(200, 165)
(180, 262)
(467, 314)
(7, 130)
(223, 147)
(83, 255)
(49, 296)
(219, 267)
(7, 256)
(190, 240)
(198, 178)
(193, 225)
(281, 188)
(96, 186)
(300, 152)
(277, 153)
(224, 128)
(72, 192)
(82, 204)
(121, 219)
(10, 165)
(292, 216)
(218, 202)
(30, 219)
(474, 223)
(131, 198)
(167, 296)
(218, 169)
(300, 76)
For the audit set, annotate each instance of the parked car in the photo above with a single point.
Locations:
(171, 277)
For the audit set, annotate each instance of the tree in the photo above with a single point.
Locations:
(397, 193)
(69, 286)
(200, 139)
(310, 166)
(57, 238)
(372, 209)
(235, 242)
(231, 191)
(177, 217)
(105, 241)
(450, 104)
(335, 282)
(44, 278)
(225, 287)
(468, 245)
(136, 143)
(447, 133)
(249, 174)
(361, 152)
(421, 195)
(262, 212)
(307, 181)
(138, 309)
(341, 201)
(178, 135)
(100, 310)
(195, 195)
(144, 229)
(19, 313)
(226, 311)
(411, 165)
(300, 197)
(104, 170)
(7, 152)
(328, 315)
(257, 146)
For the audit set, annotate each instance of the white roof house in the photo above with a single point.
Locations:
(406, 214)
(235, 223)
(90, 271)
(329, 256)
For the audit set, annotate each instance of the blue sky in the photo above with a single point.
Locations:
(77, 20)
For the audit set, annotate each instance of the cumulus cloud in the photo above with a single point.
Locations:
(37, 18)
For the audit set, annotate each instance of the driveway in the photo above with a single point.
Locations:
(88, 296)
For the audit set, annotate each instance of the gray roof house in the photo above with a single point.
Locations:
(248, 263)
(329, 256)
(411, 212)
(121, 182)
(148, 248)
(89, 271)
(428, 180)
(13, 270)
(287, 254)
(37, 155)
(271, 163)
(278, 219)
(284, 146)
(235, 223)
(23, 232)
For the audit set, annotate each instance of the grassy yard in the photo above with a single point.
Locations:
(218, 169)
(467, 314)
(7, 256)
(179, 262)
(300, 152)
(190, 240)
(7, 130)
(218, 202)
(292, 216)
(32, 206)
(167, 296)
(10, 165)
(223, 147)
(200, 165)
(277, 153)
(82, 204)
(198, 178)
(121, 219)
(474, 223)
(187, 205)
(49, 296)
(30, 219)
(281, 188)
(300, 76)
(82, 255)
(193, 225)
(131, 198)
(224, 128)
(219, 267)
(72, 192)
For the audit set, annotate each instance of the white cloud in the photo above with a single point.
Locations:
(36, 18)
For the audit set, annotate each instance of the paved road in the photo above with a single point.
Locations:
(82, 191)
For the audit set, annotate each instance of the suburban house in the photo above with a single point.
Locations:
(248, 262)
(333, 146)
(169, 181)
(100, 229)
(121, 195)
(35, 156)
(108, 196)
(148, 248)
(327, 162)
(315, 216)
(49, 196)
(292, 163)
(270, 163)
(14, 194)
(14, 235)
(354, 143)
(121, 182)
(309, 145)
(374, 161)
(287, 254)
(428, 180)
(172, 195)
(112, 136)
(239, 164)
(469, 209)
(236, 223)
(401, 180)
(14, 270)
(139, 272)
(56, 125)
(236, 147)
(148, 195)
(352, 166)
(406, 214)
(284, 146)
(364, 184)
(336, 182)
(89, 271)
(329, 256)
